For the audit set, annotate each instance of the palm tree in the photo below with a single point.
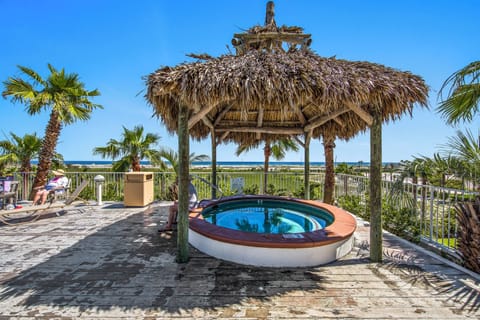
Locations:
(390, 167)
(462, 104)
(132, 148)
(423, 168)
(397, 194)
(345, 168)
(463, 96)
(172, 157)
(278, 149)
(63, 94)
(20, 150)
(466, 148)
(444, 166)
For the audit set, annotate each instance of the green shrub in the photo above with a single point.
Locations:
(272, 190)
(111, 192)
(88, 193)
(251, 189)
(316, 191)
(402, 222)
(353, 203)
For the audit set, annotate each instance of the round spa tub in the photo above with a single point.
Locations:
(271, 231)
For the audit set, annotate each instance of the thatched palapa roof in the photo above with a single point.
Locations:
(268, 90)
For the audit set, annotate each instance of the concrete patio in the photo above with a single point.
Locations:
(109, 262)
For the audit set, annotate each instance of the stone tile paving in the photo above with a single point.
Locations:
(110, 262)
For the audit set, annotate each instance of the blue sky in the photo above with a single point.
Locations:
(113, 44)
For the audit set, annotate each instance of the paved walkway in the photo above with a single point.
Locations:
(110, 263)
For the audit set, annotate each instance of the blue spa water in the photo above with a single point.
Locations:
(267, 216)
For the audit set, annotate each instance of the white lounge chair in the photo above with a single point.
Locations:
(33, 212)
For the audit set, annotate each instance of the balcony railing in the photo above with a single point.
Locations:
(433, 206)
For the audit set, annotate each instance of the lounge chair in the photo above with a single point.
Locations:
(33, 212)
(60, 194)
(10, 196)
(75, 194)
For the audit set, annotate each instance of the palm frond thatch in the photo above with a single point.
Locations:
(293, 92)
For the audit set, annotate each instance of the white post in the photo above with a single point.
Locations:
(99, 194)
(99, 179)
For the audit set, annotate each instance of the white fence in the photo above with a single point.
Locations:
(434, 205)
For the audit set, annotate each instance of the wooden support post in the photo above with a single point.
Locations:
(306, 174)
(183, 182)
(267, 152)
(214, 164)
(375, 188)
(329, 184)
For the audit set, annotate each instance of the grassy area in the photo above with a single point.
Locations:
(285, 182)
(449, 242)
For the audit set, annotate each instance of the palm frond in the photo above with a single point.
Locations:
(397, 196)
(464, 145)
(280, 147)
(33, 75)
(462, 105)
(121, 165)
(463, 96)
(199, 157)
(242, 148)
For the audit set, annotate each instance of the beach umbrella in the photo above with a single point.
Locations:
(275, 85)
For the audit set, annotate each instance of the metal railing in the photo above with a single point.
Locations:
(434, 206)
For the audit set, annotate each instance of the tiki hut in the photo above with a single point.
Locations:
(275, 85)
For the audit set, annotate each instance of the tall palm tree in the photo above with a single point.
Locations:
(132, 148)
(61, 93)
(277, 148)
(462, 104)
(463, 96)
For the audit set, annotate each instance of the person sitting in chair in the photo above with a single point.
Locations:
(172, 215)
(56, 184)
